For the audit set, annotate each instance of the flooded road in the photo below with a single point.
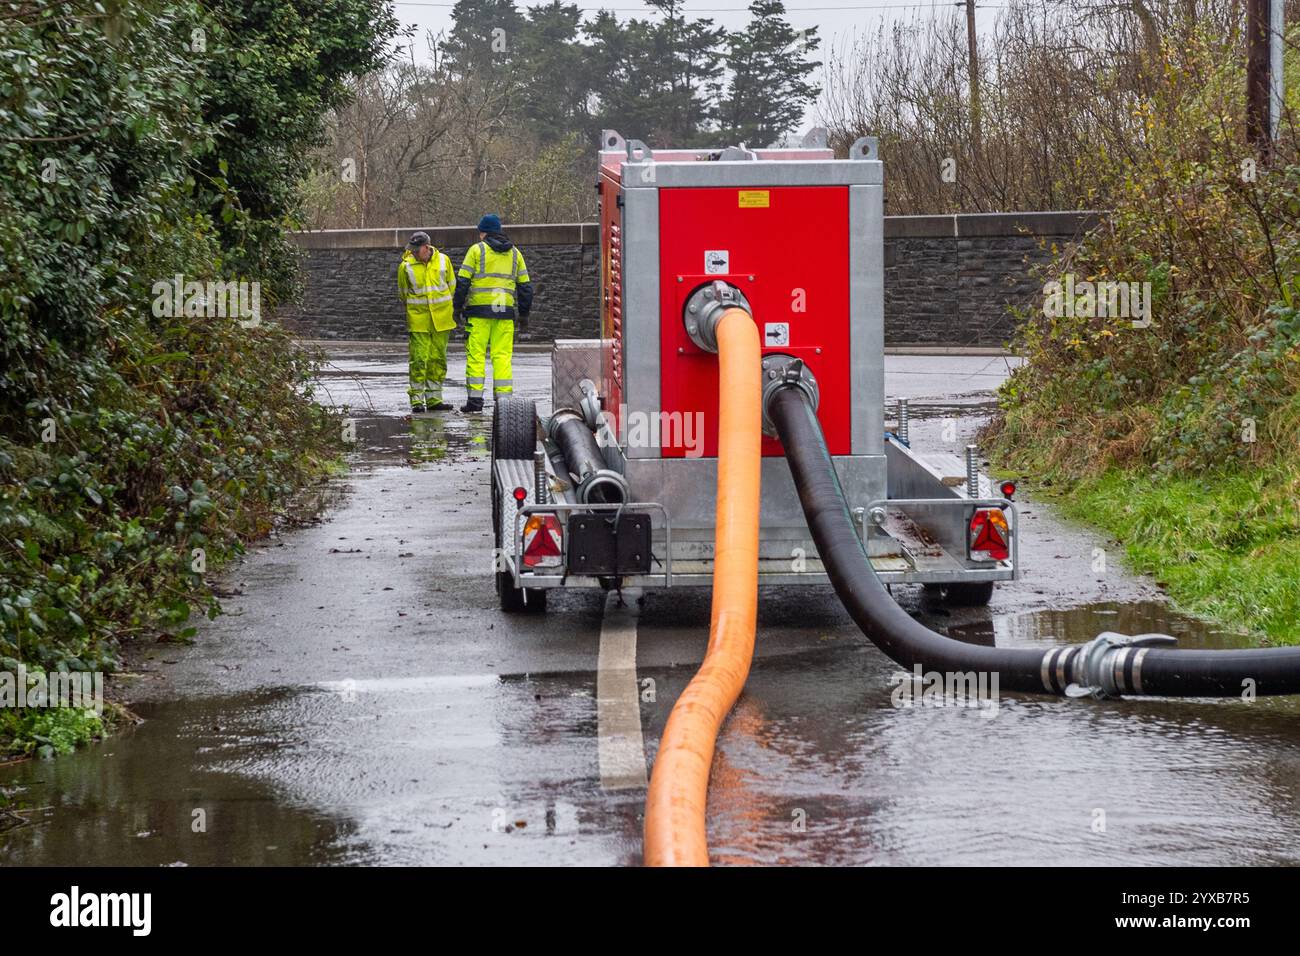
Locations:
(363, 701)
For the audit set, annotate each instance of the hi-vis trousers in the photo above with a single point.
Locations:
(428, 366)
(499, 336)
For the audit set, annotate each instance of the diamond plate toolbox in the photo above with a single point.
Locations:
(572, 360)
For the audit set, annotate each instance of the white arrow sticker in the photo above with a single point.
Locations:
(776, 333)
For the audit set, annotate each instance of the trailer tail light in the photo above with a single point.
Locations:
(1008, 489)
(989, 535)
(543, 541)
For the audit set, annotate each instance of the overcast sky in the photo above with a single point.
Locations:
(836, 20)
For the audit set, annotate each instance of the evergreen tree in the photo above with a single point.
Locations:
(479, 57)
(688, 62)
(660, 79)
(769, 90)
(484, 35)
(556, 97)
(629, 87)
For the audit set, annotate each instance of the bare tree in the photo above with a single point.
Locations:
(1058, 82)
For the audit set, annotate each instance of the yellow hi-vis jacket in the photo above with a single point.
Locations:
(494, 278)
(427, 288)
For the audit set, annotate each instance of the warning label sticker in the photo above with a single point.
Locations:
(754, 199)
(717, 262)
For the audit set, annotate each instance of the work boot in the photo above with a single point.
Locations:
(473, 404)
(440, 407)
(417, 409)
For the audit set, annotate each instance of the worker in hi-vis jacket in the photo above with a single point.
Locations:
(492, 289)
(425, 285)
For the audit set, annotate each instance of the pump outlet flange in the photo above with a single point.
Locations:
(705, 307)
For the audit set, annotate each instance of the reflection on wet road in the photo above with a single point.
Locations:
(362, 700)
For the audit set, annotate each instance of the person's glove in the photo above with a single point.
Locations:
(523, 323)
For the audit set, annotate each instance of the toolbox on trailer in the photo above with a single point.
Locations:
(616, 486)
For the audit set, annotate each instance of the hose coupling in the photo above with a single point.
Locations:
(551, 426)
(1102, 669)
(705, 308)
(780, 370)
(593, 481)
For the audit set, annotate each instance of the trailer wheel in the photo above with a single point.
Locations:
(514, 436)
(514, 428)
(513, 600)
(964, 594)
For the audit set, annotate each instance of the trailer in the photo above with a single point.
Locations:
(614, 486)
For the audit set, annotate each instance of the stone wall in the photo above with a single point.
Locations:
(949, 280)
(351, 280)
(952, 280)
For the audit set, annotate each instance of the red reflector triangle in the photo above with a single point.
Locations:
(988, 539)
(543, 545)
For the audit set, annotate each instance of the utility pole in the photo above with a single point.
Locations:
(1276, 32)
(1257, 74)
(972, 59)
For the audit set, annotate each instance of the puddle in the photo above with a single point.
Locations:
(442, 769)
(429, 439)
(161, 794)
(1079, 624)
(931, 411)
(369, 382)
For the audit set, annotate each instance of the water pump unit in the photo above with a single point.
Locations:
(795, 237)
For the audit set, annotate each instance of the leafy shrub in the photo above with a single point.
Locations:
(1212, 383)
(144, 140)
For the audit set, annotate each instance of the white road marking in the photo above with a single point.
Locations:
(620, 746)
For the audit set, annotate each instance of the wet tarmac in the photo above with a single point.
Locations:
(363, 700)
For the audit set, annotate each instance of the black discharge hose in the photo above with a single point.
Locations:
(594, 483)
(1109, 666)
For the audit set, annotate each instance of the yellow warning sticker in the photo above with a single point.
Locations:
(754, 199)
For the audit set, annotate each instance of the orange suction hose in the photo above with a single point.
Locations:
(679, 785)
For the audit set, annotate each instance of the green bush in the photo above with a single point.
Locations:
(1213, 381)
(1181, 437)
(143, 140)
(46, 732)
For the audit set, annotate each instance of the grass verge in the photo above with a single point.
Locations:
(1224, 546)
